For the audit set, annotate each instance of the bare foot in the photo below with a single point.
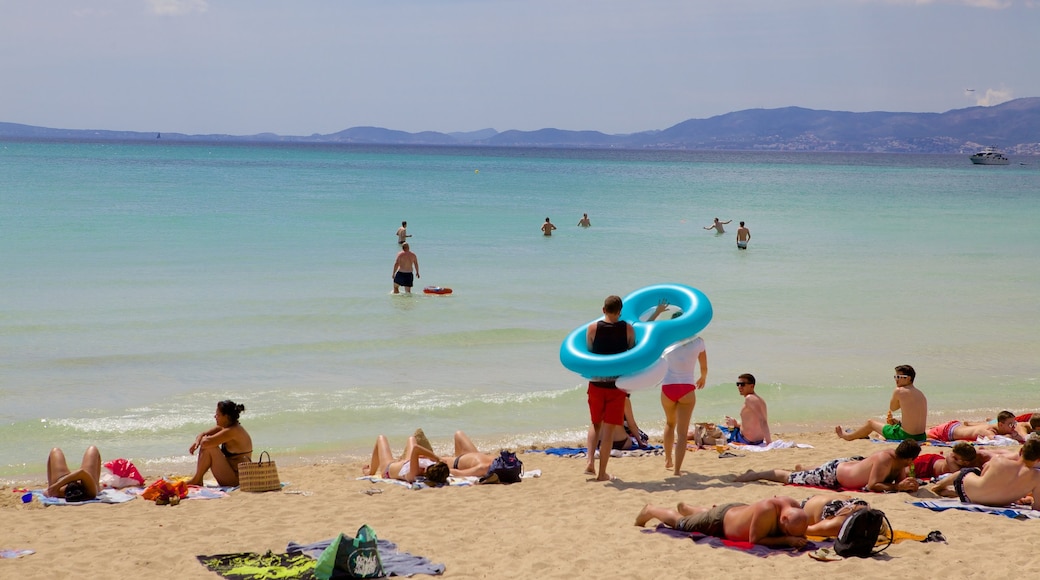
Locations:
(605, 477)
(590, 469)
(840, 432)
(677, 473)
(748, 475)
(798, 467)
(644, 516)
(668, 464)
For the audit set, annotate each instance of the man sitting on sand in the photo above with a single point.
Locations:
(1003, 481)
(753, 428)
(775, 522)
(882, 471)
(905, 397)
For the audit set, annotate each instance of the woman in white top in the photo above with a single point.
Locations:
(679, 391)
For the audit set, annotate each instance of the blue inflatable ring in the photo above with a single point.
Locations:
(652, 338)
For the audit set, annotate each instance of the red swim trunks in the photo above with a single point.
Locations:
(943, 432)
(606, 405)
(924, 465)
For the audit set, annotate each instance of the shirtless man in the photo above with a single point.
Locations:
(828, 511)
(584, 221)
(547, 228)
(905, 397)
(775, 522)
(404, 264)
(743, 237)
(402, 233)
(717, 226)
(753, 428)
(1006, 425)
(1001, 482)
(881, 471)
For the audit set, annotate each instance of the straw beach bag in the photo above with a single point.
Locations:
(259, 476)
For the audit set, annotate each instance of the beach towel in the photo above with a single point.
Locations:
(103, 496)
(394, 563)
(943, 504)
(583, 452)
(776, 444)
(754, 549)
(196, 491)
(420, 484)
(15, 553)
(253, 566)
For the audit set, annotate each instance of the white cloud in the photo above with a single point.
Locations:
(993, 97)
(178, 7)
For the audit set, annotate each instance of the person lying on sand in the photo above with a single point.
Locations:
(416, 460)
(74, 486)
(828, 511)
(1028, 424)
(1006, 425)
(773, 522)
(905, 397)
(1001, 482)
(468, 461)
(881, 471)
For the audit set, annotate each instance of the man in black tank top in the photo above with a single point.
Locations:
(606, 401)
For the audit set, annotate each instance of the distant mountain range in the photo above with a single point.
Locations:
(1013, 126)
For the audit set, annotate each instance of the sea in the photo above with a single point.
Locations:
(143, 282)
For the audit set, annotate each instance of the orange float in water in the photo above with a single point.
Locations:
(436, 290)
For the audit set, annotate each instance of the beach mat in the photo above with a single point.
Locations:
(104, 496)
(939, 505)
(394, 563)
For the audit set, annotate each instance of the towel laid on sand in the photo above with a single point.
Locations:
(104, 496)
(419, 484)
(944, 504)
(583, 452)
(394, 563)
(776, 444)
(15, 553)
(755, 549)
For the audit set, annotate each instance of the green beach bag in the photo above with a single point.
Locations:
(348, 557)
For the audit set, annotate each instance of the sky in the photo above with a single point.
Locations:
(306, 67)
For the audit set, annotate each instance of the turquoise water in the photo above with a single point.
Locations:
(144, 282)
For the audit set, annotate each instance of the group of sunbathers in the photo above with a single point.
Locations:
(419, 460)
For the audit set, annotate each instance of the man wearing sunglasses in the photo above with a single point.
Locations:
(906, 398)
(753, 427)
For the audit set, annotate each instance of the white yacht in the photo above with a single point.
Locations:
(989, 156)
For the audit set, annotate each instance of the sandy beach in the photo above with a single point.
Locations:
(559, 525)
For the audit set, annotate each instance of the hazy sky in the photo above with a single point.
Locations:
(298, 67)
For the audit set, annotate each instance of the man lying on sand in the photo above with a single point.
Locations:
(905, 397)
(1003, 481)
(1006, 425)
(773, 522)
(828, 511)
(881, 471)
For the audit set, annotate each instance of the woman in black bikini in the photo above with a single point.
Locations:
(223, 447)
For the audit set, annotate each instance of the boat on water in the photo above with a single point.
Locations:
(989, 156)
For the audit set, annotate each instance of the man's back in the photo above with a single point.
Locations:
(1003, 481)
(754, 418)
(914, 406)
(856, 474)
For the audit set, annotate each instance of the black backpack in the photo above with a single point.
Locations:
(506, 468)
(860, 532)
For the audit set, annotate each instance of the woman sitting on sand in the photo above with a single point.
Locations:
(415, 461)
(74, 486)
(223, 447)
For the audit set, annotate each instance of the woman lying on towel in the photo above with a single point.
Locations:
(468, 461)
(223, 447)
(828, 511)
(415, 461)
(74, 486)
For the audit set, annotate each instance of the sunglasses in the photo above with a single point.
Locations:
(741, 383)
(897, 377)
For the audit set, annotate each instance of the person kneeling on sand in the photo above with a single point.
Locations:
(1001, 482)
(773, 522)
(905, 397)
(881, 471)
(74, 486)
(415, 461)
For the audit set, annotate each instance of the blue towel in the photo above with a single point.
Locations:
(394, 563)
(938, 505)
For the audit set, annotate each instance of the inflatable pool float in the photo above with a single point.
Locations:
(436, 290)
(641, 364)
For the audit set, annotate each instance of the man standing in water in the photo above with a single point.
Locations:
(717, 226)
(402, 233)
(584, 221)
(547, 228)
(403, 266)
(743, 237)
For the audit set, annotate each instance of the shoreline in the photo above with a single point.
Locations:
(539, 527)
